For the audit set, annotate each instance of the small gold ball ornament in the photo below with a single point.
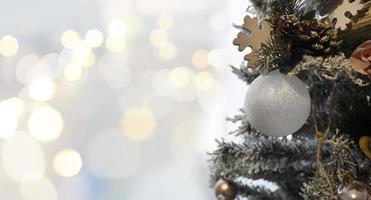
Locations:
(356, 190)
(365, 145)
(225, 190)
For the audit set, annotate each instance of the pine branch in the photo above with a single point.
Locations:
(286, 7)
(265, 158)
(355, 102)
(272, 55)
(338, 167)
(259, 193)
(289, 164)
(278, 7)
(245, 73)
(341, 161)
(245, 127)
(261, 6)
(333, 68)
(363, 167)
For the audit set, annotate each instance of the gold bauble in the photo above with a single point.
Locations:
(365, 145)
(225, 190)
(356, 190)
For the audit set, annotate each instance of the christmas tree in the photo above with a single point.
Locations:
(306, 122)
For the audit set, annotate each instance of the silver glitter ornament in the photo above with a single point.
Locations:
(277, 105)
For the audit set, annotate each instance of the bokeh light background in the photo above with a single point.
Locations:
(114, 99)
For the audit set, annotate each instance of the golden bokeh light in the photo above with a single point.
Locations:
(41, 89)
(69, 39)
(72, 72)
(89, 61)
(165, 21)
(168, 51)
(180, 76)
(9, 110)
(159, 37)
(81, 50)
(94, 38)
(25, 66)
(117, 28)
(84, 61)
(45, 124)
(200, 59)
(23, 158)
(65, 57)
(8, 45)
(215, 57)
(138, 123)
(204, 80)
(115, 44)
(67, 163)
(15, 104)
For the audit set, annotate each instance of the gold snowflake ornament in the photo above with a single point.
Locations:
(340, 13)
(252, 36)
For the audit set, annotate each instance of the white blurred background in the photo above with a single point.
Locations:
(114, 99)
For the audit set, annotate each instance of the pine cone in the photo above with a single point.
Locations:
(285, 27)
(317, 38)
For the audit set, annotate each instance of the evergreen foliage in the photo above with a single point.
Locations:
(341, 98)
